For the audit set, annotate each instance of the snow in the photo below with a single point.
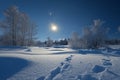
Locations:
(114, 46)
(59, 63)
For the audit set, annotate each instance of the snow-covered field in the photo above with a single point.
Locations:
(44, 63)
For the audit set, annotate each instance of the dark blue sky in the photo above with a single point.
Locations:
(69, 15)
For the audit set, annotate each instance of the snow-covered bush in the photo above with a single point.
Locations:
(93, 36)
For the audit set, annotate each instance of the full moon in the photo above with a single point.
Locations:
(54, 27)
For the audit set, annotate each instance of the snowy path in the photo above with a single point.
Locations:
(60, 64)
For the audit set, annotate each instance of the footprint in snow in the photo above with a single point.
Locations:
(28, 50)
(66, 64)
(69, 58)
(98, 69)
(107, 62)
(53, 73)
(65, 67)
(41, 78)
(58, 70)
(85, 77)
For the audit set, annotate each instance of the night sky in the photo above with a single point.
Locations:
(69, 15)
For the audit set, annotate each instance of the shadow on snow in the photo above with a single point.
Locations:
(10, 65)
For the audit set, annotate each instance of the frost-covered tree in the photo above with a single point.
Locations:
(99, 33)
(32, 31)
(27, 30)
(12, 21)
(87, 37)
(95, 35)
(17, 27)
(23, 29)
